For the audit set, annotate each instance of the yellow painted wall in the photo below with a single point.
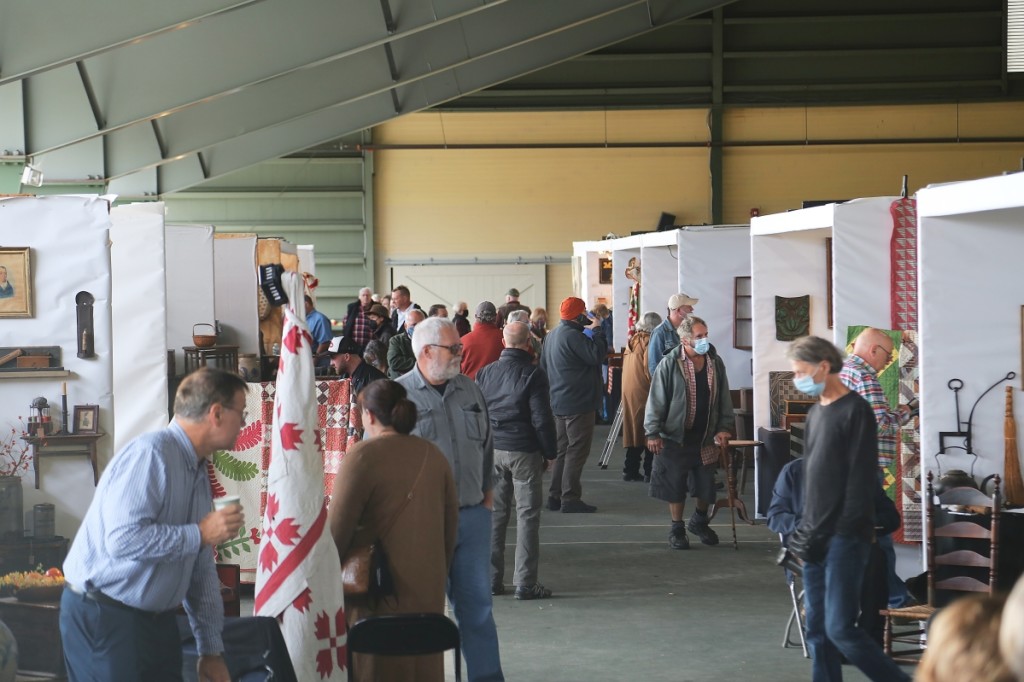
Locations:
(511, 202)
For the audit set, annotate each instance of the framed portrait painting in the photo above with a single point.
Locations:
(15, 282)
(87, 419)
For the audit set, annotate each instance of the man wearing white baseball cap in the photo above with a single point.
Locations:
(664, 337)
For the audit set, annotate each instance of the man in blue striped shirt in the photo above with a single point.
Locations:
(146, 545)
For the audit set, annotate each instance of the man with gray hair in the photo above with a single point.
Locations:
(453, 415)
(146, 546)
(689, 416)
(524, 317)
(664, 337)
(516, 391)
(837, 528)
(358, 329)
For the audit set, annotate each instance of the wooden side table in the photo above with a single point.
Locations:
(220, 357)
(733, 501)
(62, 445)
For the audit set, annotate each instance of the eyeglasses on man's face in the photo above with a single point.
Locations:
(454, 349)
(242, 413)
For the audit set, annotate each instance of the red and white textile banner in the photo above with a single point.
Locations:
(903, 253)
(298, 575)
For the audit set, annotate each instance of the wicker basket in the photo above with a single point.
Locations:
(204, 340)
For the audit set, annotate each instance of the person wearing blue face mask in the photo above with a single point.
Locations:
(400, 356)
(689, 415)
(836, 531)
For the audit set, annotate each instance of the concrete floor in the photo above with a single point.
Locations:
(625, 607)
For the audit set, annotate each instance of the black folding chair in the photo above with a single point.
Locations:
(404, 634)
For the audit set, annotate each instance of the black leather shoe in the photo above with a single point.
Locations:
(554, 504)
(497, 589)
(536, 591)
(578, 507)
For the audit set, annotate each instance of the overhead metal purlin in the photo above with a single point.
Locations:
(328, 124)
(227, 54)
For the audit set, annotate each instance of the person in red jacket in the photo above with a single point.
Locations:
(483, 345)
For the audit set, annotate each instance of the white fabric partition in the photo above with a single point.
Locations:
(139, 310)
(190, 284)
(787, 256)
(861, 258)
(68, 236)
(659, 271)
(709, 261)
(236, 283)
(621, 286)
(971, 237)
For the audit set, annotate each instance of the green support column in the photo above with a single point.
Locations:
(10, 178)
(715, 153)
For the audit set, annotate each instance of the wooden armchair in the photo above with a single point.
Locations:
(949, 571)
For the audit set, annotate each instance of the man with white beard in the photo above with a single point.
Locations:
(453, 415)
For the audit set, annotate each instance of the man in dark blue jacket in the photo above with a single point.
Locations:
(516, 392)
(572, 363)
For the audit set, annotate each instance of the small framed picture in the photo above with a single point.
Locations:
(87, 418)
(604, 270)
(15, 282)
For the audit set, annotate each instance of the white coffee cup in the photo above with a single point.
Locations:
(226, 501)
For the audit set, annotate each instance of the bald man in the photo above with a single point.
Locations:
(516, 392)
(872, 352)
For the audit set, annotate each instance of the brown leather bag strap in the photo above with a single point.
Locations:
(391, 521)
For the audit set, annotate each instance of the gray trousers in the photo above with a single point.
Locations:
(575, 432)
(518, 477)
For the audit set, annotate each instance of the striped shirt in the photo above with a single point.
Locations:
(140, 543)
(859, 376)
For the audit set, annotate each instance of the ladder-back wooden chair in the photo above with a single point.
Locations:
(949, 571)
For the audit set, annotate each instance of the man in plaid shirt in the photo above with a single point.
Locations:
(872, 352)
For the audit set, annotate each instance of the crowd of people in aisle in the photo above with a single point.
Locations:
(475, 413)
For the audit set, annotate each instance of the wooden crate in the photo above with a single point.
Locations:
(36, 628)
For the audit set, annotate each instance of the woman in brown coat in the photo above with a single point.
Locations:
(636, 384)
(373, 482)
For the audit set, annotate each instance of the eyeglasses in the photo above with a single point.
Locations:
(454, 349)
(243, 413)
(887, 352)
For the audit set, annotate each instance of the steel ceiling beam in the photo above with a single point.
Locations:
(67, 31)
(227, 54)
(333, 122)
(420, 57)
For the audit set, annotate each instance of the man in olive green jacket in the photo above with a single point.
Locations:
(689, 413)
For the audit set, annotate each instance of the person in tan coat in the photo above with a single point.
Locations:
(373, 481)
(636, 384)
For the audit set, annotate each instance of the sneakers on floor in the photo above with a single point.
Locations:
(632, 477)
(577, 507)
(497, 589)
(677, 538)
(554, 504)
(702, 530)
(535, 591)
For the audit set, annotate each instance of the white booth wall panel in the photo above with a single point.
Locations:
(659, 277)
(861, 238)
(969, 307)
(307, 258)
(69, 237)
(709, 261)
(592, 287)
(236, 284)
(190, 285)
(619, 304)
(784, 264)
(139, 311)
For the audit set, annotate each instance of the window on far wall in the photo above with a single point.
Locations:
(742, 314)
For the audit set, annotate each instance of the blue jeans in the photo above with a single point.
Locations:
(105, 642)
(898, 595)
(469, 590)
(832, 603)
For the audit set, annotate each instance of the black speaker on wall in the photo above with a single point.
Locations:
(666, 222)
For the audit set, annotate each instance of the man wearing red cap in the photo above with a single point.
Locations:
(573, 363)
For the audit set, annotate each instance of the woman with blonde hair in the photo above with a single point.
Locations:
(963, 643)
